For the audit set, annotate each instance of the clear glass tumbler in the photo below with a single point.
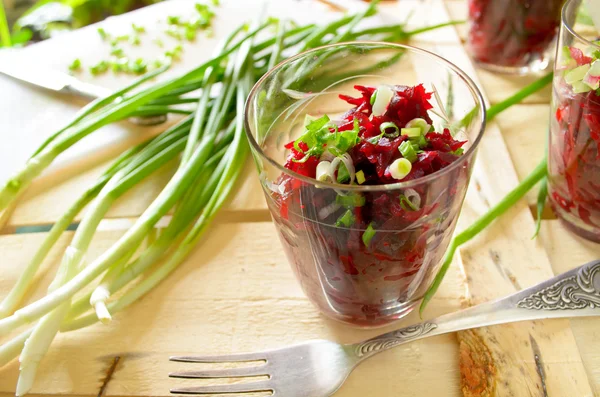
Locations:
(364, 282)
(512, 36)
(574, 145)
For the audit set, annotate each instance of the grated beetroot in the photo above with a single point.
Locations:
(512, 33)
(575, 158)
(368, 276)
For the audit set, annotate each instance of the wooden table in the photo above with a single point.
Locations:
(236, 292)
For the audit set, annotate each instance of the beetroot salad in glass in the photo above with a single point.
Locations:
(512, 34)
(374, 249)
(574, 158)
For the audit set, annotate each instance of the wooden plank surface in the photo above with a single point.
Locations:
(236, 292)
(225, 298)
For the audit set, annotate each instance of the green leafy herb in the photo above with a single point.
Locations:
(135, 40)
(343, 175)
(174, 32)
(346, 219)
(138, 66)
(368, 234)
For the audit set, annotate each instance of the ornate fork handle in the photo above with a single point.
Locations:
(575, 293)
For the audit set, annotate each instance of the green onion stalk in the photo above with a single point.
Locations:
(537, 175)
(210, 146)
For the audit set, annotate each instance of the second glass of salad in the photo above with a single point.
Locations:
(364, 152)
(574, 144)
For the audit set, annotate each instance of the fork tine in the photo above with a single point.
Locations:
(226, 389)
(220, 359)
(223, 373)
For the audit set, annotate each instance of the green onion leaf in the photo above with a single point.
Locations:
(368, 234)
(373, 97)
(406, 204)
(360, 177)
(414, 132)
(408, 151)
(351, 200)
(385, 130)
(541, 204)
(75, 65)
(345, 220)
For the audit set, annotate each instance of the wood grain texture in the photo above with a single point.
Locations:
(501, 261)
(236, 292)
(567, 251)
(224, 298)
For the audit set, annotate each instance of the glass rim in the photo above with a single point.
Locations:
(370, 188)
(567, 25)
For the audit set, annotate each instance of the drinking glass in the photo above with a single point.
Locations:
(512, 36)
(574, 144)
(377, 269)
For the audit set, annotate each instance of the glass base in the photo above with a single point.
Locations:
(399, 312)
(534, 67)
(581, 232)
(575, 225)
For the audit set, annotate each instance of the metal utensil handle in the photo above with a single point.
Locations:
(575, 293)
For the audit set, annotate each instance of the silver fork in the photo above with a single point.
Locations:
(318, 368)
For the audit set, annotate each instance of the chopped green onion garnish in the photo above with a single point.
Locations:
(190, 34)
(406, 204)
(159, 43)
(99, 68)
(360, 177)
(420, 141)
(411, 132)
(138, 66)
(173, 20)
(351, 200)
(75, 65)
(345, 220)
(215, 2)
(103, 34)
(419, 123)
(138, 29)
(368, 234)
(117, 51)
(135, 40)
(323, 171)
(408, 152)
(386, 127)
(373, 97)
(400, 168)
